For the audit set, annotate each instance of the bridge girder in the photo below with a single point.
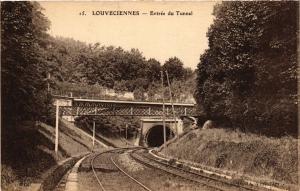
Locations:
(83, 107)
(124, 111)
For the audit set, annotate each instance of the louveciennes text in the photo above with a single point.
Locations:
(116, 13)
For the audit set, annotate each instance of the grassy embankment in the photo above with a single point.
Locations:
(258, 158)
(110, 135)
(28, 153)
(111, 130)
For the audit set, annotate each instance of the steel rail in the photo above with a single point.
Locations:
(200, 175)
(92, 165)
(124, 172)
(99, 154)
(175, 174)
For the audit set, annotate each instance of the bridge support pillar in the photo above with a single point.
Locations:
(138, 138)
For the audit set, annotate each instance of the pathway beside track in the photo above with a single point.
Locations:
(72, 180)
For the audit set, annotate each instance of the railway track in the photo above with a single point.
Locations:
(210, 182)
(107, 158)
(111, 173)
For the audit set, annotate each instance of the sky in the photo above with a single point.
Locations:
(156, 36)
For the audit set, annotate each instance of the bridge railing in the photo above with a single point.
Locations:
(124, 111)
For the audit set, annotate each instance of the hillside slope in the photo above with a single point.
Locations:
(28, 152)
(248, 155)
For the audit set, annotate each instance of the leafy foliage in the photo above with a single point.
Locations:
(175, 69)
(23, 40)
(247, 77)
(92, 65)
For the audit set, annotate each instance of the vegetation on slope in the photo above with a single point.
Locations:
(247, 79)
(24, 95)
(265, 158)
(30, 155)
(23, 65)
(112, 67)
(98, 66)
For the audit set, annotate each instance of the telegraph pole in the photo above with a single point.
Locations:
(94, 126)
(126, 130)
(171, 99)
(163, 117)
(56, 127)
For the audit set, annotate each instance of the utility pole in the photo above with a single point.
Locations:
(126, 130)
(94, 126)
(163, 117)
(56, 127)
(171, 99)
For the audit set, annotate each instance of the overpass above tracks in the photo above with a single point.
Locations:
(69, 106)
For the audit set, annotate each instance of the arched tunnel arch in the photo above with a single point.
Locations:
(155, 135)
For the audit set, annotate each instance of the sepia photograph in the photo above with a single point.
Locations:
(149, 95)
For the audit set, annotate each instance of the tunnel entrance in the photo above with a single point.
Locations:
(155, 136)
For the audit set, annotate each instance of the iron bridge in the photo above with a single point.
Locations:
(90, 107)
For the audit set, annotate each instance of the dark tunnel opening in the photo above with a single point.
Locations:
(155, 136)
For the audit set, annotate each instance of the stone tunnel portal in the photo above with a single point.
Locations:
(155, 136)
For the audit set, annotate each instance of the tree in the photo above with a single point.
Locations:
(66, 58)
(188, 73)
(152, 70)
(247, 77)
(23, 41)
(175, 69)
